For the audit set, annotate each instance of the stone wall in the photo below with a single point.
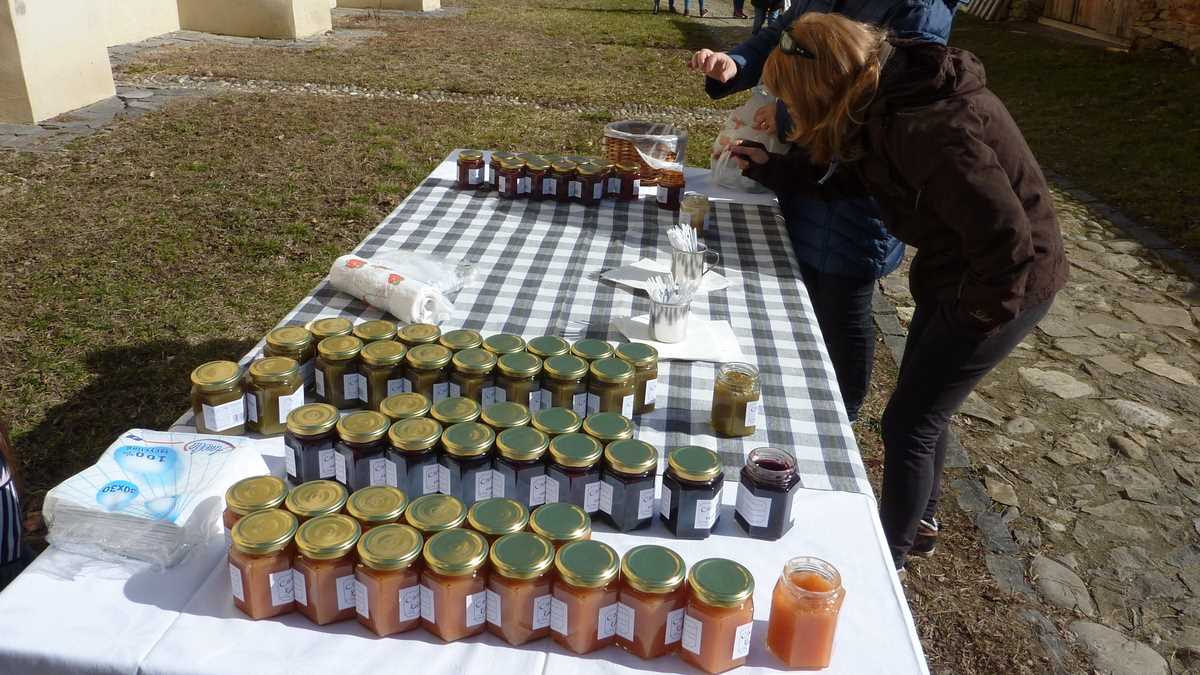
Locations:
(1168, 23)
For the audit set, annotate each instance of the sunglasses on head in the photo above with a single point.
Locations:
(789, 46)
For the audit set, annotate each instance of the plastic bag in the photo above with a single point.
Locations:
(740, 127)
(410, 286)
(660, 146)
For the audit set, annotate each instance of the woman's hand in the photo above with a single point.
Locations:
(717, 65)
(749, 152)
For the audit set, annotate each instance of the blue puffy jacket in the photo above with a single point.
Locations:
(838, 234)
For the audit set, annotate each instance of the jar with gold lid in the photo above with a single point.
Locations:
(591, 349)
(434, 513)
(472, 377)
(455, 410)
(361, 448)
(556, 421)
(537, 172)
(387, 590)
(564, 377)
(611, 387)
(546, 346)
(415, 334)
(260, 563)
(336, 326)
(563, 173)
(376, 505)
(737, 400)
(248, 495)
(218, 404)
(375, 330)
(644, 360)
(519, 587)
(592, 183)
(426, 371)
(460, 339)
(573, 472)
(275, 388)
(381, 365)
(504, 343)
(316, 498)
(627, 484)
(612, 181)
(561, 523)
(296, 343)
(691, 491)
(308, 450)
(608, 427)
(670, 189)
(518, 471)
(505, 415)
(629, 178)
(518, 379)
(453, 585)
(413, 455)
(511, 180)
(653, 599)
(583, 613)
(336, 376)
(494, 162)
(470, 170)
(693, 210)
(719, 619)
(496, 517)
(404, 406)
(324, 581)
(466, 464)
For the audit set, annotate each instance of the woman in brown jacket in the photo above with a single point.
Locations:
(955, 179)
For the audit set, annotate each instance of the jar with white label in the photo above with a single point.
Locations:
(414, 455)
(496, 517)
(583, 612)
(275, 388)
(767, 488)
(644, 360)
(308, 443)
(470, 170)
(519, 378)
(691, 492)
(376, 505)
(296, 343)
(653, 598)
(315, 499)
(324, 581)
(387, 592)
(537, 172)
(519, 588)
(218, 402)
(518, 471)
(336, 378)
(361, 447)
(381, 365)
(737, 399)
(627, 485)
(471, 375)
(453, 585)
(426, 371)
(565, 378)
(466, 464)
(719, 620)
(591, 178)
(260, 563)
(611, 387)
(334, 326)
(562, 173)
(573, 472)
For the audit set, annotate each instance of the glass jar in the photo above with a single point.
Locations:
(466, 464)
(387, 579)
(612, 180)
(375, 330)
(404, 406)
(653, 601)
(455, 410)
(691, 492)
(426, 371)
(511, 178)
(336, 326)
(218, 404)
(627, 485)
(494, 166)
(565, 378)
(644, 360)
(737, 400)
(629, 179)
(590, 349)
(564, 174)
(471, 376)
(590, 178)
(361, 449)
(548, 345)
(518, 380)
(693, 210)
(719, 619)
(324, 569)
(308, 443)
(376, 505)
(767, 488)
(471, 170)
(504, 343)
(506, 415)
(583, 612)
(518, 471)
(315, 499)
(453, 585)
(296, 343)
(556, 421)
(537, 172)
(561, 523)
(458, 340)
(670, 190)
(413, 455)
(611, 387)
(804, 613)
(417, 334)
(260, 563)
(275, 389)
(336, 377)
(608, 427)
(519, 587)
(496, 517)
(381, 365)
(248, 495)
(573, 473)
(435, 513)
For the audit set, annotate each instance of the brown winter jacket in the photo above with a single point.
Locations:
(953, 178)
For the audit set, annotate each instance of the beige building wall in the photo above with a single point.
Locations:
(135, 20)
(409, 5)
(52, 59)
(281, 19)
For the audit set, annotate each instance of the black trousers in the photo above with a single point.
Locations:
(941, 366)
(843, 308)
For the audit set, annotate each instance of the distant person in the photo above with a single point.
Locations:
(739, 9)
(703, 12)
(764, 10)
(15, 554)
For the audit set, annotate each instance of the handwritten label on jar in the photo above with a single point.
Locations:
(289, 403)
(606, 497)
(664, 505)
(350, 387)
(390, 475)
(345, 592)
(319, 382)
(497, 484)
(327, 462)
(753, 409)
(755, 510)
(493, 608)
(645, 503)
(235, 582)
(428, 611)
(614, 186)
(483, 485)
(558, 616)
(444, 482)
(431, 479)
(606, 622)
(674, 627)
(251, 403)
(741, 640)
(362, 603)
(378, 468)
(663, 195)
(625, 618)
(693, 634)
(299, 588)
(593, 404)
(575, 189)
(651, 392)
(410, 603)
(537, 490)
(541, 611)
(502, 181)
(455, 390)
(340, 470)
(476, 608)
(627, 406)
(579, 402)
(523, 185)
(551, 491)
(224, 416)
(474, 176)
(591, 497)
(399, 385)
(598, 190)
(289, 458)
(549, 187)
(707, 511)
(493, 395)
(441, 391)
(282, 587)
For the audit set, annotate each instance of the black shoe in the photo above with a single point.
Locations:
(925, 542)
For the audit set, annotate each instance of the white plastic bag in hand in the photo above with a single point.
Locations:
(740, 127)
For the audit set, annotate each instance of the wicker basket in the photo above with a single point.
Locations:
(631, 141)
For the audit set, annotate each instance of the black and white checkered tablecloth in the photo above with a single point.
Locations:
(539, 265)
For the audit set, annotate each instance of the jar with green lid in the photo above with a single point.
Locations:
(610, 387)
(737, 400)
(316, 498)
(653, 599)
(376, 505)
(252, 494)
(387, 590)
(548, 345)
(627, 484)
(375, 330)
(565, 378)
(296, 343)
(404, 406)
(519, 587)
(471, 375)
(324, 568)
(583, 614)
(561, 523)
(416, 334)
(260, 563)
(556, 421)
(463, 338)
(563, 174)
(381, 365)
(608, 427)
(590, 179)
(413, 454)
(471, 170)
(453, 585)
(691, 491)
(506, 415)
(361, 449)
(573, 472)
(336, 376)
(466, 464)
(719, 620)
(644, 360)
(322, 329)
(590, 349)
(541, 185)
(274, 389)
(426, 371)
(455, 410)
(503, 343)
(434, 513)
(519, 380)
(218, 404)
(308, 443)
(518, 471)
(496, 517)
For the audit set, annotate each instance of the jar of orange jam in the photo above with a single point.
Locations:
(260, 563)
(804, 613)
(719, 619)
(583, 612)
(453, 585)
(324, 570)
(387, 591)
(518, 589)
(653, 598)
(252, 494)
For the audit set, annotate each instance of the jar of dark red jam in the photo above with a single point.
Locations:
(470, 170)
(591, 183)
(494, 166)
(564, 175)
(670, 190)
(766, 491)
(629, 182)
(512, 178)
(536, 173)
(627, 484)
(691, 492)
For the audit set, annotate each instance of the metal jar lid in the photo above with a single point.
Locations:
(720, 582)
(522, 444)
(217, 376)
(377, 504)
(404, 406)
(503, 343)
(339, 348)
(390, 547)
(327, 537)
(591, 349)
(497, 516)
(455, 552)
(576, 451)
(365, 426)
(561, 522)
(375, 330)
(274, 369)
(519, 364)
(313, 419)
(564, 166)
(463, 338)
(331, 327)
(637, 354)
(548, 345)
(556, 421)
(415, 434)
(264, 532)
(538, 164)
(383, 353)
(628, 168)
(587, 564)
(631, 457)
(694, 463)
(522, 555)
(475, 361)
(566, 367)
(428, 357)
(316, 498)
(505, 415)
(471, 155)
(455, 410)
(653, 569)
(435, 512)
(512, 164)
(418, 334)
(591, 169)
(611, 371)
(290, 338)
(468, 439)
(608, 426)
(255, 494)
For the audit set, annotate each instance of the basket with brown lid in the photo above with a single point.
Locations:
(653, 146)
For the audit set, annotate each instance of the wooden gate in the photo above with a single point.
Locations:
(1111, 18)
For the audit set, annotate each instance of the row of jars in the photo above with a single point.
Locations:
(548, 177)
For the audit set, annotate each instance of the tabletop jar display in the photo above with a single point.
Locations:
(611, 387)
(627, 485)
(404, 406)
(644, 360)
(652, 601)
(248, 495)
(218, 405)
(335, 326)
(519, 587)
(505, 415)
(426, 371)
(460, 339)
(518, 470)
(414, 455)
(737, 400)
(691, 492)
(583, 613)
(561, 523)
(308, 443)
(472, 376)
(496, 517)
(519, 379)
(546, 346)
(376, 505)
(455, 410)
(375, 330)
(324, 569)
(565, 378)
(804, 613)
(275, 388)
(471, 170)
(361, 447)
(767, 486)
(454, 585)
(416, 334)
(336, 375)
(573, 472)
(435, 513)
(504, 343)
(556, 421)
(296, 343)
(387, 593)
(316, 498)
(381, 365)
(260, 563)
(719, 619)
(466, 464)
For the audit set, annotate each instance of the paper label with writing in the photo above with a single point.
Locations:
(598, 190)
(441, 391)
(475, 176)
(625, 616)
(558, 616)
(378, 469)
(693, 633)
(674, 626)
(741, 640)
(499, 395)
(549, 186)
(345, 592)
(523, 185)
(410, 603)
(606, 622)
(593, 405)
(627, 406)
(476, 608)
(637, 184)
(340, 470)
(350, 386)
(319, 381)
(362, 603)
(537, 491)
(398, 386)
(428, 611)
(431, 479)
(251, 403)
(753, 410)
(707, 511)
(651, 392)
(591, 497)
(224, 416)
(664, 504)
(539, 399)
(327, 462)
(663, 195)
(444, 482)
(575, 189)
(541, 611)
(298, 587)
(551, 490)
(289, 403)
(502, 182)
(282, 587)
(579, 402)
(497, 484)
(614, 186)
(483, 485)
(289, 459)
(455, 390)
(390, 475)
(493, 608)
(235, 583)
(606, 497)
(645, 503)
(755, 510)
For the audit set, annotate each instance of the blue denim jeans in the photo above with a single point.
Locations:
(761, 16)
(685, 6)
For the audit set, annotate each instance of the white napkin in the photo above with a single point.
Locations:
(706, 340)
(390, 289)
(637, 274)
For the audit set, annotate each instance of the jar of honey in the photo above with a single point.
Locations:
(274, 390)
(719, 619)
(260, 563)
(336, 326)
(458, 340)
(644, 360)
(561, 523)
(218, 403)
(435, 513)
(382, 369)
(336, 375)
(404, 406)
(691, 492)
(375, 331)
(652, 601)
(519, 587)
(453, 585)
(296, 343)
(573, 473)
(466, 464)
(414, 455)
(308, 443)
(518, 471)
(470, 170)
(611, 387)
(455, 410)
(591, 183)
(416, 334)
(361, 448)
(629, 178)
(564, 175)
(248, 495)
(737, 400)
(324, 571)
(504, 343)
(315, 499)
(627, 485)
(804, 613)
(426, 371)
(505, 415)
(565, 378)
(767, 488)
(556, 421)
(496, 517)
(548, 345)
(583, 612)
(519, 379)
(387, 591)
(471, 375)
(376, 505)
